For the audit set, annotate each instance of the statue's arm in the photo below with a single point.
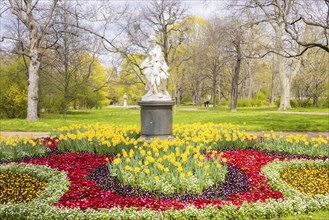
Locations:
(146, 63)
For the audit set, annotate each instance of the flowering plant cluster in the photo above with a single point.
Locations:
(100, 139)
(295, 144)
(16, 187)
(103, 139)
(303, 177)
(169, 169)
(46, 184)
(235, 182)
(87, 185)
(12, 148)
(311, 180)
(84, 192)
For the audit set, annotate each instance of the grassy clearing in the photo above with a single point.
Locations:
(253, 119)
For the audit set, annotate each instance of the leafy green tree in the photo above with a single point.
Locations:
(128, 81)
(13, 84)
(90, 83)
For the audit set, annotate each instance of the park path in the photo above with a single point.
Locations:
(46, 134)
(22, 133)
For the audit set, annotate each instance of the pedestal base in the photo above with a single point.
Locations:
(156, 119)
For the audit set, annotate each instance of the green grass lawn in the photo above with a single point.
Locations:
(252, 119)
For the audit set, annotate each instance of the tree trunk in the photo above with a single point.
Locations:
(285, 94)
(235, 79)
(274, 73)
(219, 91)
(66, 64)
(251, 83)
(285, 87)
(178, 97)
(24, 12)
(284, 79)
(214, 83)
(65, 103)
(33, 86)
(199, 102)
(75, 104)
(234, 88)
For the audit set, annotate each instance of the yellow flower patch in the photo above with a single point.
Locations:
(16, 187)
(310, 180)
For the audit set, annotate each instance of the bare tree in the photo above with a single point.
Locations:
(312, 83)
(165, 17)
(274, 13)
(196, 77)
(311, 16)
(30, 13)
(237, 45)
(211, 54)
(71, 49)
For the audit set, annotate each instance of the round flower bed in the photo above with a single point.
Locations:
(255, 184)
(311, 180)
(51, 185)
(18, 187)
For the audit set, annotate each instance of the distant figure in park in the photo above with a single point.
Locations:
(206, 104)
(155, 71)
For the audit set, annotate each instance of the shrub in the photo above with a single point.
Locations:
(324, 102)
(224, 102)
(244, 102)
(14, 102)
(259, 99)
(292, 103)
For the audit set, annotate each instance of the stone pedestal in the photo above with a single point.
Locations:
(156, 119)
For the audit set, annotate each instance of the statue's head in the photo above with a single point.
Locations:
(152, 39)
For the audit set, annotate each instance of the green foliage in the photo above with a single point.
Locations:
(225, 102)
(186, 100)
(13, 102)
(260, 99)
(13, 92)
(89, 88)
(324, 102)
(244, 103)
(51, 104)
(128, 81)
(293, 103)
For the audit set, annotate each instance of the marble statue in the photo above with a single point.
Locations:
(156, 73)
